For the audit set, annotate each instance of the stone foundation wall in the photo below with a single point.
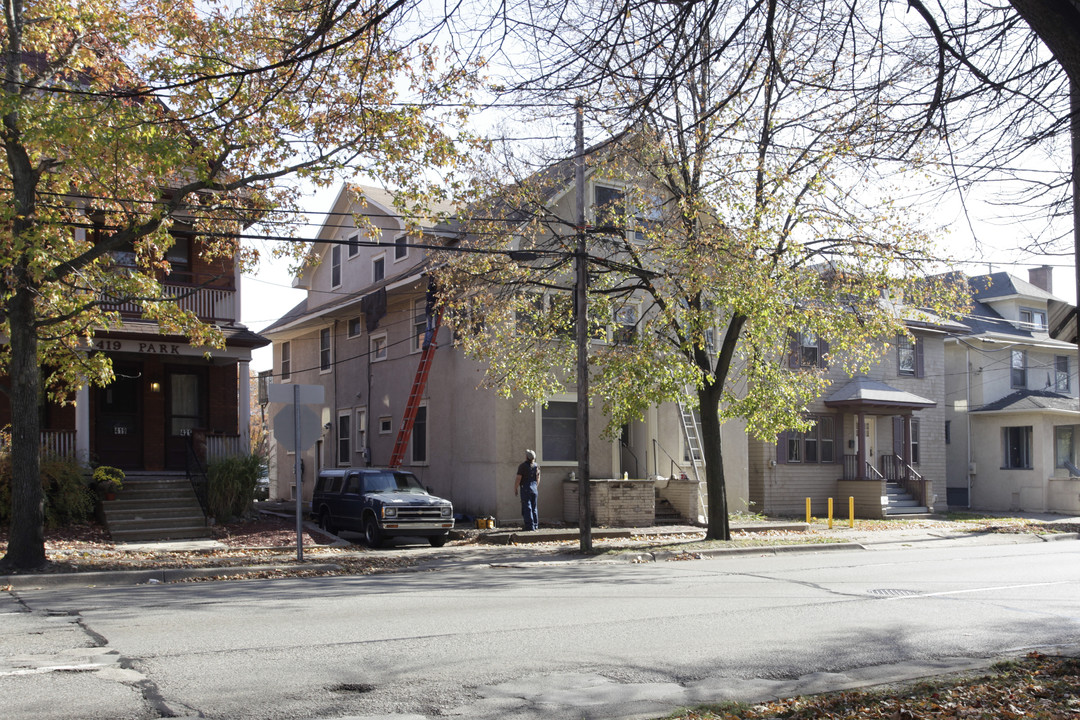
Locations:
(615, 503)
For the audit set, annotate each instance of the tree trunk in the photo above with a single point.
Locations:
(1057, 23)
(26, 539)
(713, 454)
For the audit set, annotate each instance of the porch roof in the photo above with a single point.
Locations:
(1031, 400)
(862, 392)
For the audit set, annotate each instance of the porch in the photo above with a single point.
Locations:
(883, 483)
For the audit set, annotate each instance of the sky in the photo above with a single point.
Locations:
(267, 293)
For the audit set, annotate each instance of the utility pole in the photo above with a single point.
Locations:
(581, 296)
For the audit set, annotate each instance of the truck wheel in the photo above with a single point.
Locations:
(372, 534)
(325, 523)
(438, 540)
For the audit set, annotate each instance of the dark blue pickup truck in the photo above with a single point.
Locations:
(380, 503)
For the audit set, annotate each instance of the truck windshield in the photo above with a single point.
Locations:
(392, 482)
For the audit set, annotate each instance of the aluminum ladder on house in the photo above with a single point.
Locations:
(697, 459)
(416, 393)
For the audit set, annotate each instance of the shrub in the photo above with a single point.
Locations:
(68, 499)
(232, 485)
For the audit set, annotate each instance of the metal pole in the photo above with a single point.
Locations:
(299, 479)
(1074, 126)
(581, 285)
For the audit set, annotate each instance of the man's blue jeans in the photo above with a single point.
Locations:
(528, 506)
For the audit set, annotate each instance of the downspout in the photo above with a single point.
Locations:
(967, 421)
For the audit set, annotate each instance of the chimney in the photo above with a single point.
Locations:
(1042, 278)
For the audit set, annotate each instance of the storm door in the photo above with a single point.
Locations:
(186, 408)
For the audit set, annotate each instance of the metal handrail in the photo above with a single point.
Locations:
(196, 475)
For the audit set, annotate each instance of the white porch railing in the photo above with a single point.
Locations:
(207, 303)
(219, 447)
(57, 443)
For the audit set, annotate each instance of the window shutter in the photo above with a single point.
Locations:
(781, 448)
(793, 350)
(822, 349)
(838, 428)
(919, 372)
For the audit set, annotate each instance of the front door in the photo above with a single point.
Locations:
(118, 431)
(869, 437)
(186, 411)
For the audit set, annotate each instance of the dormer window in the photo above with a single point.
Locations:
(1033, 319)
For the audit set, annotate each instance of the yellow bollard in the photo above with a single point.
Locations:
(807, 511)
(830, 513)
(851, 511)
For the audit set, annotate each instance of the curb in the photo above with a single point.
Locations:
(132, 578)
(667, 555)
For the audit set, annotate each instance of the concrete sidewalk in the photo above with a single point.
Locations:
(509, 545)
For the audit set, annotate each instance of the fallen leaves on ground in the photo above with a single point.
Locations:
(1037, 687)
(265, 541)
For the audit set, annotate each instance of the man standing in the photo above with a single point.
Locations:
(526, 483)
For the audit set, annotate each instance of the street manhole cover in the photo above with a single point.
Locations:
(893, 592)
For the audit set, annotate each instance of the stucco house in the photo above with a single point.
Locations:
(1012, 414)
(360, 334)
(877, 438)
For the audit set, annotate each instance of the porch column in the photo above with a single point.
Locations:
(82, 423)
(907, 447)
(860, 439)
(243, 409)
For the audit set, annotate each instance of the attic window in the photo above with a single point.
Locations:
(1033, 319)
(608, 206)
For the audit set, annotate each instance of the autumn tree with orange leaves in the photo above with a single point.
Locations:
(123, 118)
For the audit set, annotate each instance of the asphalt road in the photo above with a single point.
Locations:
(533, 640)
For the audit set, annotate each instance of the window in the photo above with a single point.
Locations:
(378, 348)
(378, 268)
(179, 257)
(354, 245)
(1061, 373)
(1017, 446)
(420, 436)
(807, 351)
(914, 442)
(1018, 368)
(355, 327)
(344, 438)
(909, 355)
(608, 206)
(558, 427)
(324, 350)
(419, 324)
(816, 445)
(335, 266)
(286, 361)
(361, 431)
(386, 425)
(1033, 319)
(1063, 446)
(401, 248)
(626, 318)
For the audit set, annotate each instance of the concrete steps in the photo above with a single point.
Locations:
(901, 502)
(155, 506)
(664, 513)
